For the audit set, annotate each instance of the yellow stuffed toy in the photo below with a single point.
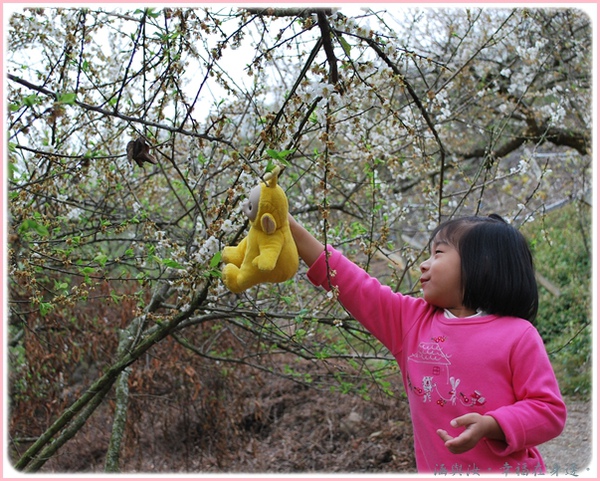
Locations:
(268, 253)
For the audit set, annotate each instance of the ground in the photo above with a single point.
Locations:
(273, 425)
(571, 452)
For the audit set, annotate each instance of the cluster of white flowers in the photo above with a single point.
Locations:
(228, 226)
(162, 246)
(521, 80)
(207, 250)
(445, 114)
(390, 50)
(321, 89)
(521, 168)
(199, 227)
(531, 57)
(531, 53)
(314, 90)
(554, 112)
(74, 214)
(350, 24)
(247, 180)
(441, 99)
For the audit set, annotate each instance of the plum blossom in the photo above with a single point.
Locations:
(74, 214)
(207, 250)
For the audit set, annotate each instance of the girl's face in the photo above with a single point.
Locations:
(441, 279)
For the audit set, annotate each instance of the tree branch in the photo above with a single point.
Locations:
(104, 383)
(576, 140)
(328, 46)
(120, 419)
(560, 137)
(288, 12)
(71, 430)
(111, 113)
(373, 44)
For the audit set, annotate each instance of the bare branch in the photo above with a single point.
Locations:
(111, 113)
(103, 384)
(288, 12)
(328, 47)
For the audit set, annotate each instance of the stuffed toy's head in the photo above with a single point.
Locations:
(268, 253)
(267, 204)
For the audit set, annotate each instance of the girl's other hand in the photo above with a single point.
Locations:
(476, 427)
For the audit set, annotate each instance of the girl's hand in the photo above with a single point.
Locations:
(476, 427)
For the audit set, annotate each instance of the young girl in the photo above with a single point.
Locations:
(481, 389)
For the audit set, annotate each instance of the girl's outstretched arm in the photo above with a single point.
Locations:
(309, 248)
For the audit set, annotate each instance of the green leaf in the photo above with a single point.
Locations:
(216, 273)
(280, 156)
(345, 45)
(12, 170)
(101, 259)
(216, 259)
(172, 263)
(31, 100)
(61, 286)
(45, 308)
(30, 224)
(68, 99)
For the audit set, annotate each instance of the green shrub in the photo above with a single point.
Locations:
(561, 246)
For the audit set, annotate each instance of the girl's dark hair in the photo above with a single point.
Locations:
(497, 266)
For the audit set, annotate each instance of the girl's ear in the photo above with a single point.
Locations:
(268, 224)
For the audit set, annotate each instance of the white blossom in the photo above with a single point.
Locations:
(207, 250)
(74, 214)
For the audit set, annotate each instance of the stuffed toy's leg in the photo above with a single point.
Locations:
(235, 255)
(230, 275)
(234, 258)
(238, 279)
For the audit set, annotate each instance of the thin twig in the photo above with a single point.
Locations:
(111, 113)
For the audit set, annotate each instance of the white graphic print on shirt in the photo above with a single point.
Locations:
(432, 366)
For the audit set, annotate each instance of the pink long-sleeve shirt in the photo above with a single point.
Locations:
(453, 366)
